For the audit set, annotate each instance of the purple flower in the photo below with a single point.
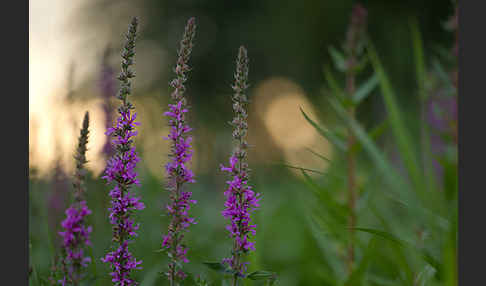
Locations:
(121, 171)
(241, 200)
(75, 234)
(177, 169)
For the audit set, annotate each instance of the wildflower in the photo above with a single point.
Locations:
(178, 172)
(75, 233)
(120, 170)
(241, 200)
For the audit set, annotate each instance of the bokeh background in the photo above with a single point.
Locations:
(74, 47)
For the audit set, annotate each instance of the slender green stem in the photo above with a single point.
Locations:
(350, 87)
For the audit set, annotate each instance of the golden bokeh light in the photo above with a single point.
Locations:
(56, 132)
(60, 36)
(278, 103)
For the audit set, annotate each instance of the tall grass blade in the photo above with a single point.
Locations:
(327, 134)
(399, 130)
(318, 155)
(365, 89)
(421, 77)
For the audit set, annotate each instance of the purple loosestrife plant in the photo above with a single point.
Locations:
(75, 233)
(120, 171)
(241, 200)
(178, 172)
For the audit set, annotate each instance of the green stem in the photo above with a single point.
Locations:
(350, 86)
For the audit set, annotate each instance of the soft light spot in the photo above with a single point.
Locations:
(279, 101)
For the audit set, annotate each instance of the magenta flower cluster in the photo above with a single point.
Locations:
(177, 169)
(76, 234)
(121, 171)
(241, 200)
(75, 238)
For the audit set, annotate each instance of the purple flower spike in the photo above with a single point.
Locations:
(121, 171)
(75, 234)
(178, 172)
(241, 200)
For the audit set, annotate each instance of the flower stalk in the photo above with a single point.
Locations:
(120, 171)
(353, 46)
(241, 200)
(75, 233)
(177, 169)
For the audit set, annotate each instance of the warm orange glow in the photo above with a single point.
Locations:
(56, 133)
(58, 38)
(279, 101)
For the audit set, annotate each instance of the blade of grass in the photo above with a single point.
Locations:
(399, 189)
(332, 83)
(151, 277)
(375, 133)
(399, 130)
(318, 155)
(329, 135)
(421, 76)
(300, 168)
(357, 277)
(338, 211)
(389, 173)
(365, 89)
(338, 59)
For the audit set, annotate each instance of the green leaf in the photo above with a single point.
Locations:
(401, 135)
(329, 135)
(332, 83)
(318, 155)
(302, 169)
(365, 89)
(261, 275)
(225, 282)
(397, 247)
(201, 281)
(150, 278)
(358, 275)
(421, 78)
(375, 133)
(383, 234)
(337, 210)
(398, 188)
(338, 59)
(449, 253)
(390, 175)
(444, 77)
(402, 243)
(424, 276)
(218, 266)
(378, 280)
